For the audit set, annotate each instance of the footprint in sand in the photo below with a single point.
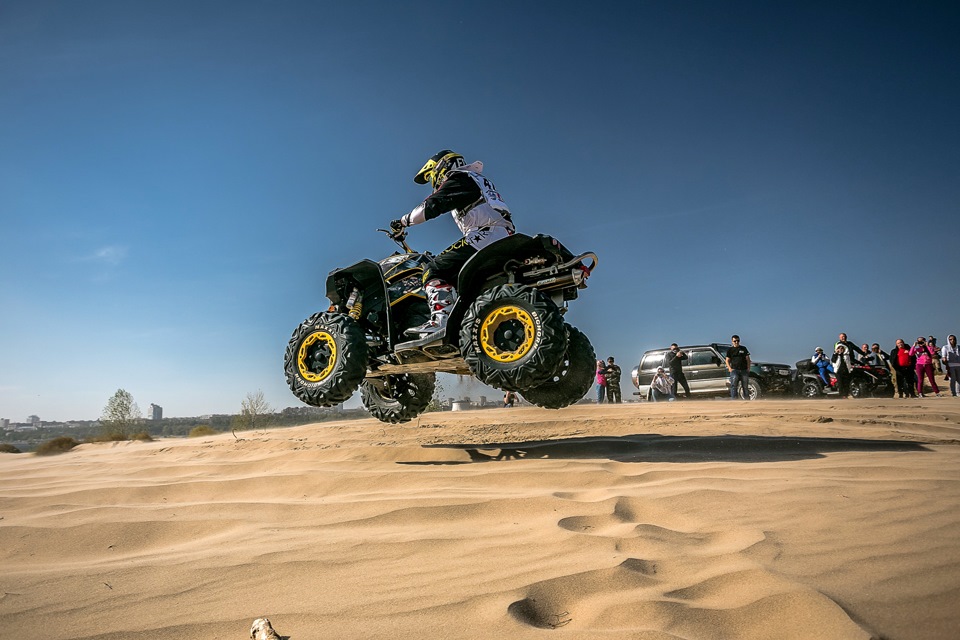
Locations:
(680, 584)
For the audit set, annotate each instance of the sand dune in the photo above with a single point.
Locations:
(692, 520)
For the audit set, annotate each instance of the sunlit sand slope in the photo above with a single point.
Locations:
(704, 520)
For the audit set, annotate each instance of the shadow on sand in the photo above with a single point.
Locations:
(661, 448)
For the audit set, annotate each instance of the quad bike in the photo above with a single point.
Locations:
(506, 329)
(865, 381)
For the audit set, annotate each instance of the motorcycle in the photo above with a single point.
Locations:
(506, 328)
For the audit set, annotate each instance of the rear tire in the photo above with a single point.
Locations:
(572, 380)
(326, 359)
(859, 389)
(513, 338)
(398, 398)
(754, 390)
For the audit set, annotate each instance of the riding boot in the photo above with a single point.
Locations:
(440, 297)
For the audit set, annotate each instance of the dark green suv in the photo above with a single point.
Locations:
(706, 371)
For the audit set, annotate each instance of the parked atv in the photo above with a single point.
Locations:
(506, 329)
(865, 381)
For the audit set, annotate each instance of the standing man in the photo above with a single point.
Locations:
(738, 364)
(849, 346)
(950, 357)
(876, 357)
(674, 361)
(612, 374)
(904, 364)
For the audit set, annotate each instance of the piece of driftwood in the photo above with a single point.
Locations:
(263, 630)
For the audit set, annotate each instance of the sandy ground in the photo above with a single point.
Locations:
(699, 520)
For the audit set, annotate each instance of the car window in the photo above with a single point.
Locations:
(700, 357)
(651, 361)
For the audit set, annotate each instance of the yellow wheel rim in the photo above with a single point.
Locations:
(308, 359)
(507, 334)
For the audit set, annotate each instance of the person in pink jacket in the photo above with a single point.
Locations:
(924, 355)
(601, 381)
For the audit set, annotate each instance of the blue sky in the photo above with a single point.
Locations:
(177, 178)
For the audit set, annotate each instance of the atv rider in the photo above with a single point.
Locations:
(477, 209)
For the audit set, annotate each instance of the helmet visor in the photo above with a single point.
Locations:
(426, 172)
(435, 170)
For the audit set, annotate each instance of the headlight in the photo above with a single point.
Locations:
(766, 368)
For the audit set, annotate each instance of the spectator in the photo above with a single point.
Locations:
(950, 354)
(924, 355)
(877, 358)
(674, 361)
(904, 365)
(612, 374)
(850, 347)
(842, 366)
(601, 381)
(662, 386)
(823, 365)
(932, 343)
(864, 353)
(738, 364)
(508, 399)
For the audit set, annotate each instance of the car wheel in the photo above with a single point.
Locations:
(754, 390)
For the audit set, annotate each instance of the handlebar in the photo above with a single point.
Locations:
(399, 237)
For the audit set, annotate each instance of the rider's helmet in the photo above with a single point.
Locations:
(436, 168)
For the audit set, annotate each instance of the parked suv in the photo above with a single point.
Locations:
(706, 371)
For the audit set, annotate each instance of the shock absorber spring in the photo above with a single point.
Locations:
(355, 304)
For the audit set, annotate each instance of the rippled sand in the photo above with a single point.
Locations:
(694, 520)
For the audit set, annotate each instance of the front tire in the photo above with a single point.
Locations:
(398, 398)
(326, 359)
(810, 390)
(513, 338)
(572, 380)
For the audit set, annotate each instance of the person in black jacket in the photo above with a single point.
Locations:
(674, 361)
(852, 350)
(904, 365)
(479, 212)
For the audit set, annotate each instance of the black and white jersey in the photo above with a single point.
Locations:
(471, 198)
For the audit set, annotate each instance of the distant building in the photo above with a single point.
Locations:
(156, 412)
(4, 423)
(34, 420)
